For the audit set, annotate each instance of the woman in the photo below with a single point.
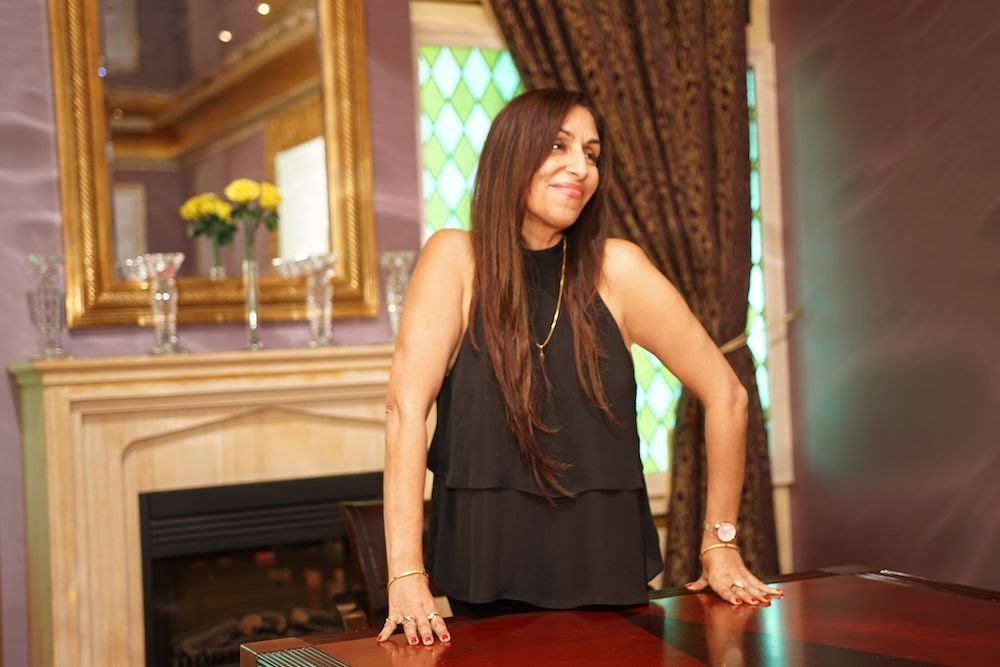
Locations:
(521, 331)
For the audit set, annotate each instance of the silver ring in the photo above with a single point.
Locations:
(391, 619)
(406, 619)
(431, 615)
(739, 583)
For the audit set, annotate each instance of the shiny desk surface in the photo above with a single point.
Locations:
(851, 617)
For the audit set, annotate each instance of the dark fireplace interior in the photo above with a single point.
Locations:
(227, 565)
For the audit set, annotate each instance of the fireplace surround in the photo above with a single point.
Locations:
(99, 432)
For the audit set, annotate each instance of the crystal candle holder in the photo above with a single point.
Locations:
(318, 271)
(397, 265)
(47, 305)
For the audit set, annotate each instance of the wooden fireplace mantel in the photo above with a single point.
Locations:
(98, 432)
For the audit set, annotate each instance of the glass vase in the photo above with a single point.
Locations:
(47, 306)
(319, 271)
(217, 271)
(161, 271)
(250, 282)
(397, 265)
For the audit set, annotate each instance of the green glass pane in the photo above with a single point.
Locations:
(466, 157)
(429, 53)
(647, 423)
(461, 54)
(643, 366)
(492, 101)
(462, 101)
(431, 100)
(434, 156)
(436, 211)
(462, 211)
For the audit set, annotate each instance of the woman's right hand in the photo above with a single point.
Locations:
(412, 606)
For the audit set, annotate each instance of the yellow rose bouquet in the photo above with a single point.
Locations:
(207, 215)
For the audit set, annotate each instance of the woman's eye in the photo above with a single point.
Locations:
(557, 146)
(592, 157)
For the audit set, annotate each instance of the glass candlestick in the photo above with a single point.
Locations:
(160, 270)
(47, 306)
(397, 265)
(319, 271)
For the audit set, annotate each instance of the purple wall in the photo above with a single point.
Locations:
(891, 180)
(30, 222)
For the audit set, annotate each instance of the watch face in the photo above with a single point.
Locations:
(726, 531)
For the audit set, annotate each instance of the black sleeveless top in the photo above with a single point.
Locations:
(492, 533)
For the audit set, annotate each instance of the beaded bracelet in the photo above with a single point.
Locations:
(408, 573)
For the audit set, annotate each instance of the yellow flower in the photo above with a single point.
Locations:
(242, 191)
(269, 196)
(219, 208)
(191, 209)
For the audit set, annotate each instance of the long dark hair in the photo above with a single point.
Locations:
(518, 143)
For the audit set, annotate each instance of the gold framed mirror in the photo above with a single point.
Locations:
(264, 90)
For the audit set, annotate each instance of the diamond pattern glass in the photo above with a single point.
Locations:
(461, 91)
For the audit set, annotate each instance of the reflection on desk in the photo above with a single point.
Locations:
(825, 618)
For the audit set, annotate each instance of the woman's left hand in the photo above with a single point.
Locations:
(731, 580)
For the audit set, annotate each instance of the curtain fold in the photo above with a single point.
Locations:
(669, 79)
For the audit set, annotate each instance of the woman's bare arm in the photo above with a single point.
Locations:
(652, 313)
(433, 322)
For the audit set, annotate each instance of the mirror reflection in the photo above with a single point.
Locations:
(198, 93)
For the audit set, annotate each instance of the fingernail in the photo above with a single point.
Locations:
(444, 638)
(738, 601)
(413, 640)
(753, 599)
(428, 640)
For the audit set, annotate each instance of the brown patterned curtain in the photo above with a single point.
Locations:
(669, 78)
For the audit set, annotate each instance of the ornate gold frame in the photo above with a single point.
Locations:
(94, 297)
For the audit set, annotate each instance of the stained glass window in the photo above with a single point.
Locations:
(461, 91)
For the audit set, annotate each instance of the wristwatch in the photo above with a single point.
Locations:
(724, 530)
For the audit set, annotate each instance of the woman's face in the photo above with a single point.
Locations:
(564, 183)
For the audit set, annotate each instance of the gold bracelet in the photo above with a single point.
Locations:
(720, 545)
(408, 573)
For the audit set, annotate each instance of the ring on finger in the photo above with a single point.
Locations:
(431, 615)
(739, 583)
(406, 619)
(391, 620)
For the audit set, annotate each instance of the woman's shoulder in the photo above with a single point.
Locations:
(450, 247)
(456, 243)
(622, 259)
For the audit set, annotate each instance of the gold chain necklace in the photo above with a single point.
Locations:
(555, 315)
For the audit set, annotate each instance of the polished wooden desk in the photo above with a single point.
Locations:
(841, 617)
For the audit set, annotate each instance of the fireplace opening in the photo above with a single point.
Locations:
(223, 566)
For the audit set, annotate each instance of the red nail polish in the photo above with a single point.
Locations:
(753, 599)
(444, 638)
(413, 640)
